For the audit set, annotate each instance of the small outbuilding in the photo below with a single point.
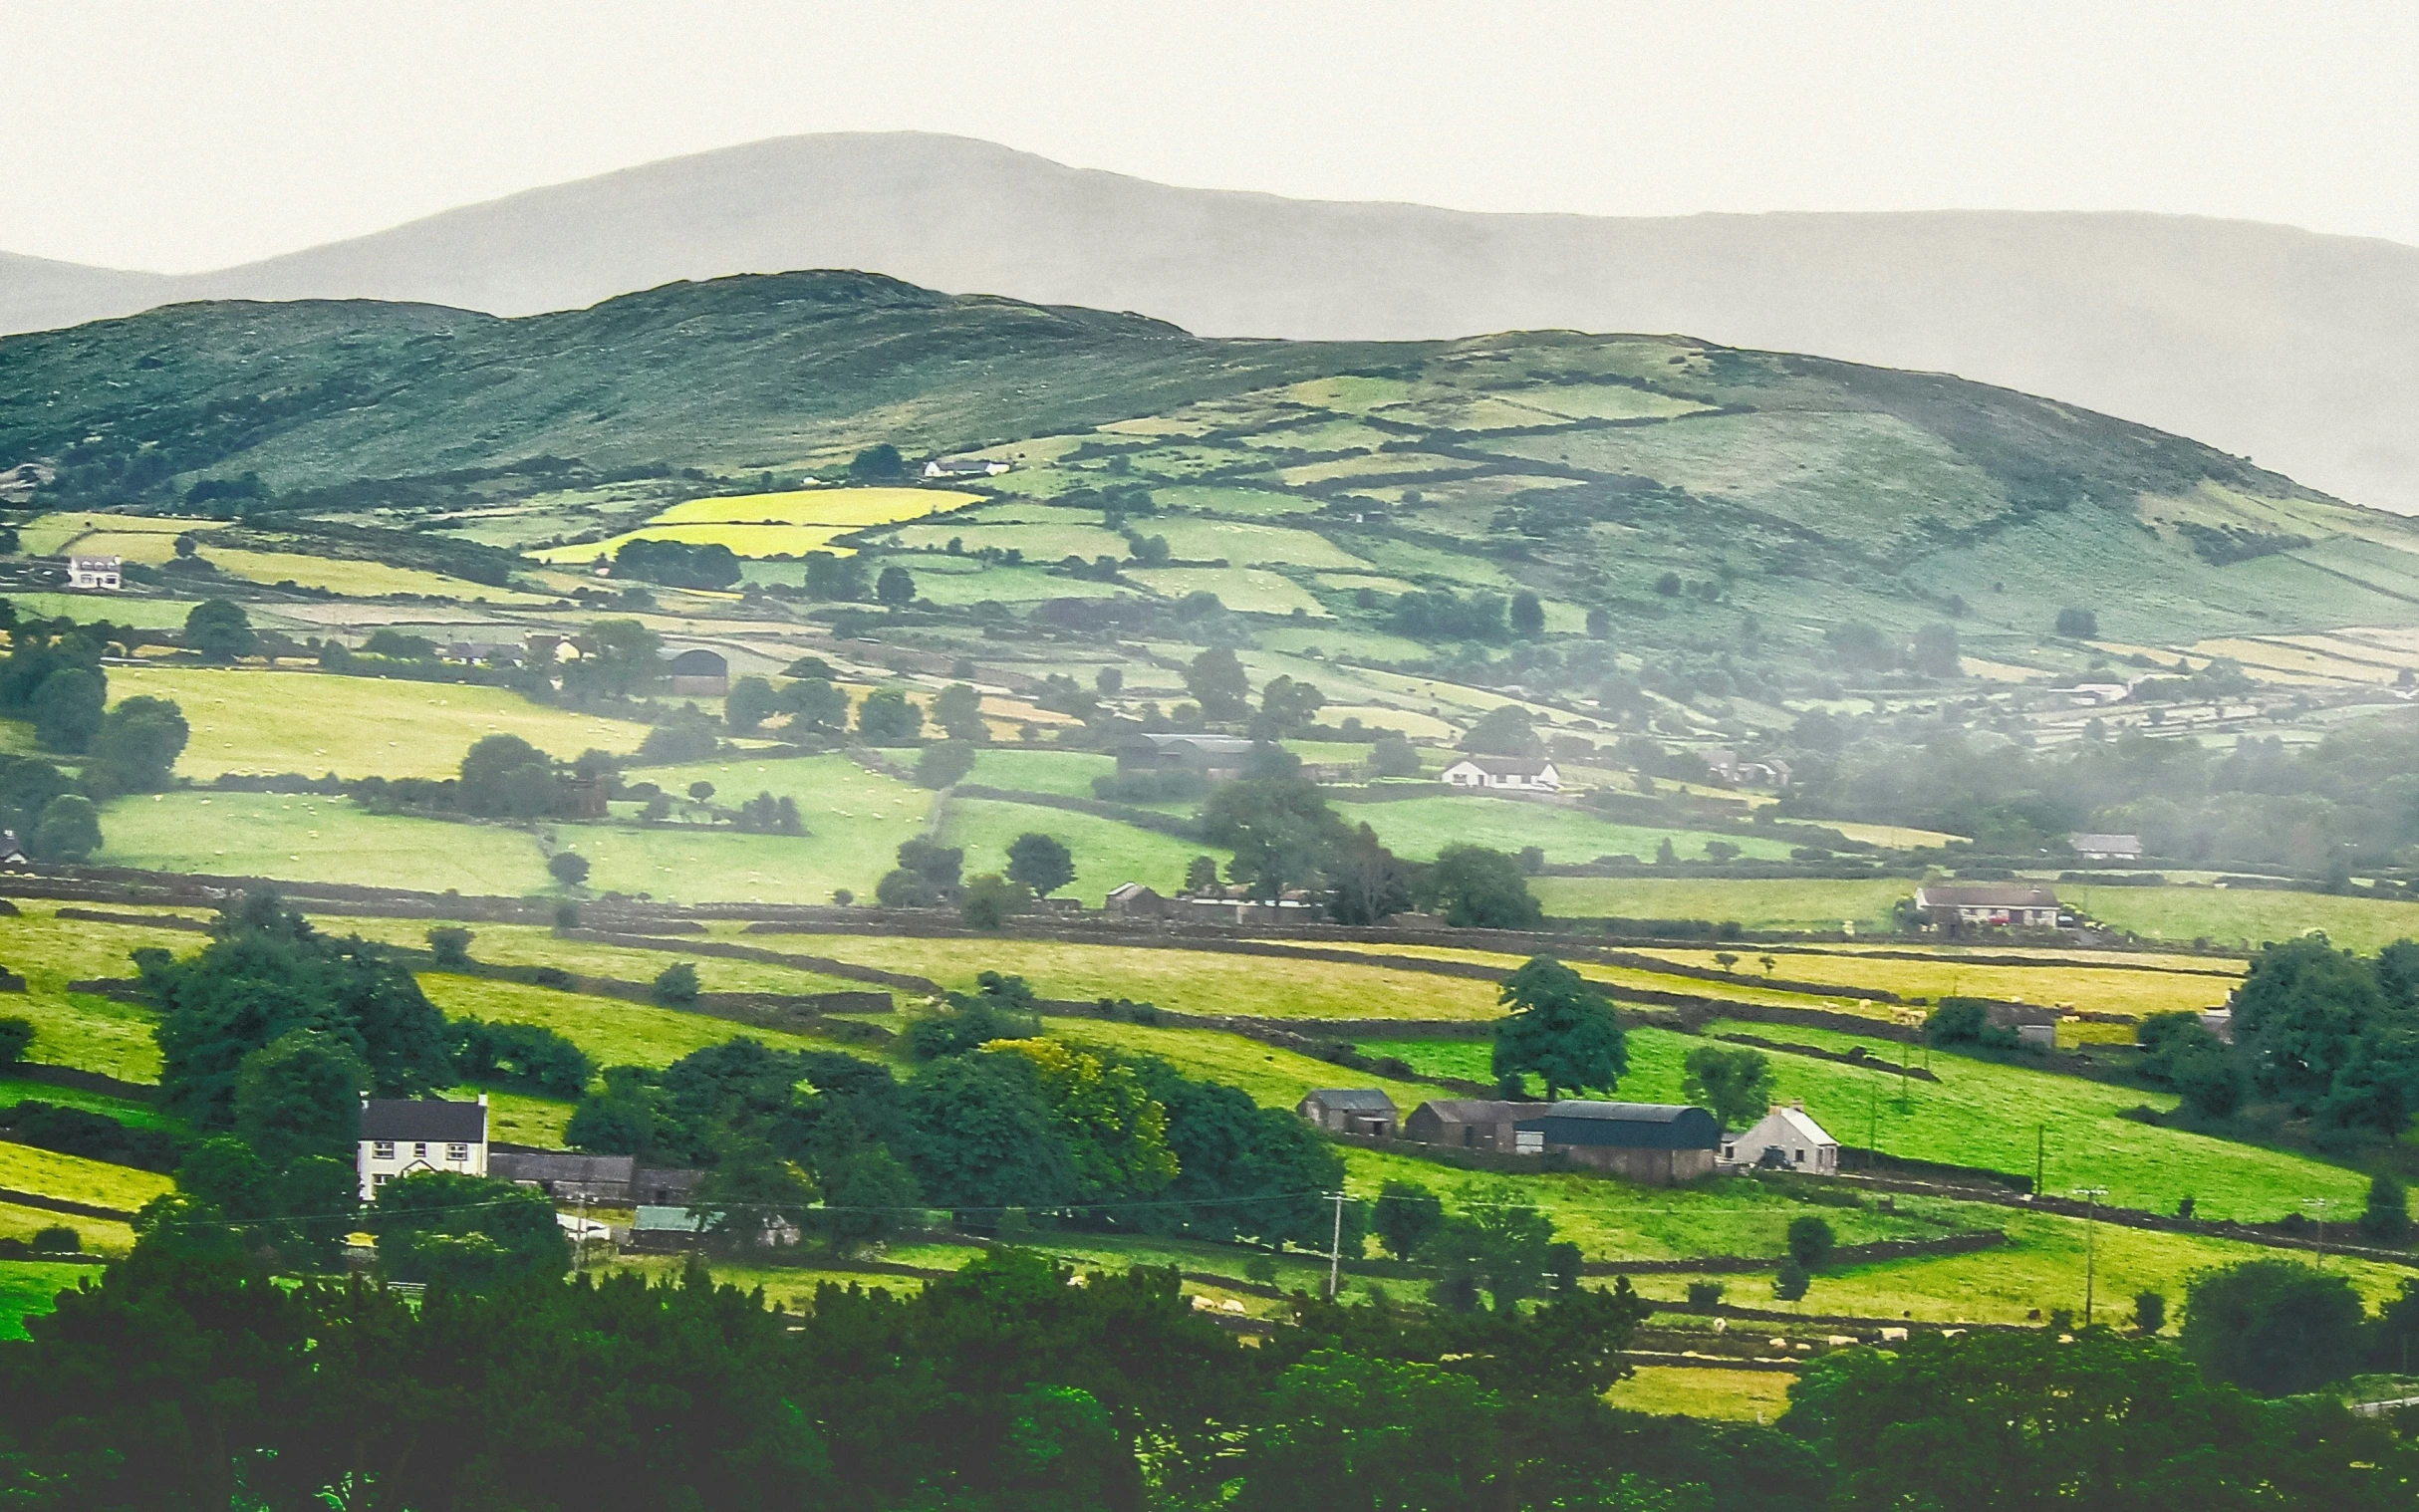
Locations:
(567, 1174)
(1216, 758)
(1517, 774)
(1656, 1143)
(1475, 1124)
(1349, 1109)
(1786, 1139)
(965, 467)
(1134, 900)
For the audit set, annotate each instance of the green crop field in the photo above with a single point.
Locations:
(1983, 1115)
(313, 723)
(48, 1173)
(531, 945)
(312, 839)
(1421, 827)
(1065, 772)
(1759, 904)
(2231, 917)
(1187, 982)
(1106, 851)
(28, 1287)
(1669, 1391)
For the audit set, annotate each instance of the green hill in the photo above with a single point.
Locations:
(1711, 499)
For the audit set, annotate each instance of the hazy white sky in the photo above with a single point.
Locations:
(180, 137)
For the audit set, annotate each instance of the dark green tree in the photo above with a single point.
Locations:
(1040, 862)
(300, 1095)
(1479, 889)
(945, 763)
(137, 746)
(1528, 615)
(753, 1193)
(750, 701)
(68, 830)
(991, 900)
(15, 1035)
(618, 657)
(1734, 1085)
(1406, 1217)
(885, 717)
(1504, 730)
(896, 588)
(1217, 682)
(676, 985)
(878, 464)
(2386, 1217)
(1392, 755)
(2275, 1327)
(816, 707)
(1811, 1242)
(1559, 1027)
(471, 1232)
(505, 777)
(957, 709)
(68, 708)
(218, 631)
(569, 868)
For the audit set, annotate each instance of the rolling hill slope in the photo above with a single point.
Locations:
(1586, 467)
(2300, 350)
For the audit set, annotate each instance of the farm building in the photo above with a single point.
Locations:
(1474, 1124)
(1784, 1138)
(1723, 765)
(566, 1175)
(964, 468)
(698, 670)
(1238, 908)
(402, 1137)
(91, 573)
(1658, 1144)
(1349, 1109)
(2017, 905)
(664, 1186)
(2106, 846)
(1134, 900)
(12, 850)
(1519, 774)
(1220, 758)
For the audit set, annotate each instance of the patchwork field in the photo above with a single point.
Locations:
(2235, 918)
(613, 1032)
(1106, 853)
(786, 524)
(1421, 827)
(309, 839)
(270, 722)
(2135, 994)
(1757, 904)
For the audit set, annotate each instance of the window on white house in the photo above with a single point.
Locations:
(419, 1152)
(1799, 1155)
(379, 1180)
(381, 1150)
(457, 1151)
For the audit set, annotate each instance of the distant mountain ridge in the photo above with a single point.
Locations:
(2299, 349)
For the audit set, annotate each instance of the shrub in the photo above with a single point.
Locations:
(569, 868)
(58, 1240)
(1705, 1294)
(1791, 1280)
(887, 718)
(991, 900)
(2079, 623)
(2387, 1218)
(450, 944)
(16, 1037)
(2149, 1310)
(676, 985)
(1811, 1242)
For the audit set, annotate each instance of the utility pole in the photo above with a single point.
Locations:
(2091, 1250)
(1335, 1246)
(2320, 1204)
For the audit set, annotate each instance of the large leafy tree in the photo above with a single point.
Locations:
(2275, 1327)
(1115, 1132)
(137, 746)
(1736, 1085)
(984, 1138)
(505, 777)
(1040, 862)
(1217, 682)
(2298, 1013)
(217, 629)
(300, 1095)
(1479, 889)
(1559, 1027)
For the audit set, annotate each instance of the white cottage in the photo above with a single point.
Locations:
(1519, 774)
(1785, 1138)
(103, 574)
(402, 1137)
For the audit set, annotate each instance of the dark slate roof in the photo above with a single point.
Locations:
(559, 1165)
(1353, 1099)
(1208, 745)
(423, 1118)
(1633, 1126)
(1478, 1109)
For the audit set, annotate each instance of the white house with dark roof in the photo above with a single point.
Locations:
(402, 1137)
(2106, 846)
(1784, 1138)
(1519, 774)
(95, 572)
(2017, 905)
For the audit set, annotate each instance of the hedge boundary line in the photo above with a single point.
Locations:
(71, 1208)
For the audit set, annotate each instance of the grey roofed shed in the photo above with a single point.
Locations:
(430, 1119)
(1627, 1125)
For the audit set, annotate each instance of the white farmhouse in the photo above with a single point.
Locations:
(1518, 774)
(1785, 1138)
(964, 468)
(402, 1137)
(89, 573)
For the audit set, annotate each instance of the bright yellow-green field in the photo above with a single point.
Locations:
(1189, 981)
(1688, 1392)
(310, 839)
(1743, 990)
(51, 535)
(268, 722)
(48, 1173)
(1757, 904)
(73, 1029)
(101, 1236)
(2233, 915)
(789, 524)
(357, 579)
(534, 945)
(1105, 852)
(614, 1033)
(2133, 993)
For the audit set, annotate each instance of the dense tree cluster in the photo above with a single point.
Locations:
(677, 564)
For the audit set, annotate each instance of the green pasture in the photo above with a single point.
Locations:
(354, 579)
(1669, 1391)
(135, 614)
(28, 1288)
(268, 722)
(2094, 990)
(1106, 851)
(307, 837)
(127, 1111)
(1063, 771)
(1187, 982)
(855, 820)
(534, 945)
(48, 1173)
(1787, 903)
(1000, 583)
(520, 1118)
(613, 1032)
(692, 863)
(1246, 590)
(1742, 990)
(1421, 827)
(1981, 1114)
(2231, 917)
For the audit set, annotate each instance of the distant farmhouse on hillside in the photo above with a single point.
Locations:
(1219, 758)
(965, 467)
(1524, 774)
(402, 1137)
(88, 574)
(1784, 1138)
(2106, 846)
(2024, 906)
